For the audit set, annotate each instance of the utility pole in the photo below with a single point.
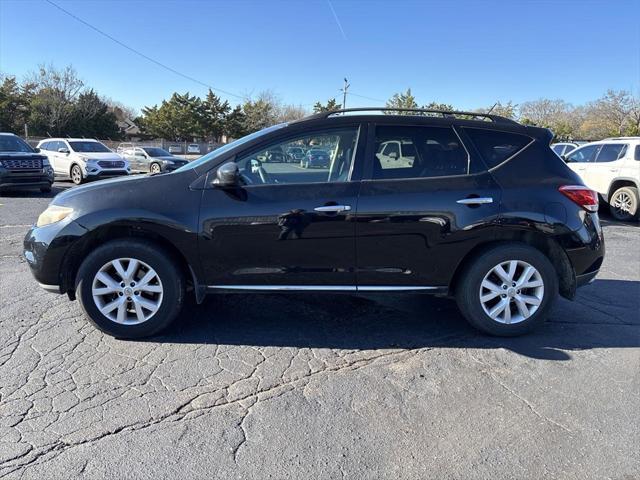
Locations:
(344, 93)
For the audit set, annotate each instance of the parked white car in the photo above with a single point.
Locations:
(612, 168)
(82, 159)
(193, 148)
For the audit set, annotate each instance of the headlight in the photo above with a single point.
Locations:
(53, 214)
(45, 162)
(168, 162)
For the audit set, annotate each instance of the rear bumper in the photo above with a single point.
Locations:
(587, 251)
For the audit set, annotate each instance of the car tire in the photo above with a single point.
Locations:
(623, 204)
(476, 303)
(76, 174)
(155, 168)
(165, 294)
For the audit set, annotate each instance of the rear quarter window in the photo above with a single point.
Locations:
(495, 146)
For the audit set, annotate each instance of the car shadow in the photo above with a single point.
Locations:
(605, 315)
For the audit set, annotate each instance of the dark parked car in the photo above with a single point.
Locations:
(151, 159)
(295, 154)
(315, 158)
(466, 216)
(274, 155)
(22, 166)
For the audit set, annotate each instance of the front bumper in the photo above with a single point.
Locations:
(14, 179)
(94, 170)
(46, 250)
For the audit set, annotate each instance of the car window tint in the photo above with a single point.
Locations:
(611, 152)
(494, 146)
(328, 157)
(418, 152)
(558, 149)
(637, 153)
(584, 154)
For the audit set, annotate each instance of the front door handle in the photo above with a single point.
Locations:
(475, 200)
(333, 208)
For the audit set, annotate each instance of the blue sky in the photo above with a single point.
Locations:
(467, 53)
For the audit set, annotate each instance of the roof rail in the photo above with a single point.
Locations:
(444, 113)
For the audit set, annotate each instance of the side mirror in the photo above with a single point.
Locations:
(63, 150)
(227, 175)
(37, 150)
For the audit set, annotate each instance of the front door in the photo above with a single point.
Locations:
(286, 227)
(417, 218)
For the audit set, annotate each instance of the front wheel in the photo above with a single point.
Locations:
(155, 168)
(623, 204)
(508, 290)
(130, 288)
(76, 175)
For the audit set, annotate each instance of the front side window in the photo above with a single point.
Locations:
(328, 158)
(584, 154)
(88, 147)
(418, 152)
(611, 152)
(496, 146)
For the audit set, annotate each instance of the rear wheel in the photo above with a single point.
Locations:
(130, 288)
(623, 204)
(508, 290)
(76, 175)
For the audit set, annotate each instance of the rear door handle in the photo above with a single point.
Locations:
(333, 208)
(475, 201)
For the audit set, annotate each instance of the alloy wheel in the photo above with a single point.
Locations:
(155, 168)
(127, 291)
(622, 204)
(76, 175)
(511, 292)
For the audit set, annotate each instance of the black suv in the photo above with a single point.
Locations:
(476, 207)
(22, 166)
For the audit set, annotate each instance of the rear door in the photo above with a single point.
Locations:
(287, 227)
(418, 217)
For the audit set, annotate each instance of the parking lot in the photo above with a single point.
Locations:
(319, 386)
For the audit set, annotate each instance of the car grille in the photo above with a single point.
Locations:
(22, 164)
(111, 164)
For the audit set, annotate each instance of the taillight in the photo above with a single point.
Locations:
(583, 196)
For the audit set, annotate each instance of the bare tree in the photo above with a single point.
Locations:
(54, 94)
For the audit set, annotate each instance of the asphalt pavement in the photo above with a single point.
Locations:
(319, 386)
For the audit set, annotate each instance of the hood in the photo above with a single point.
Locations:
(100, 155)
(21, 155)
(114, 191)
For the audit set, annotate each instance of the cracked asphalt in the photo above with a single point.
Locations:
(319, 386)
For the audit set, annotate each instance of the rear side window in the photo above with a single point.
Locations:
(637, 153)
(584, 154)
(611, 152)
(418, 152)
(494, 146)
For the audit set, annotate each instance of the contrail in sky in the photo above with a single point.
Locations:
(335, 15)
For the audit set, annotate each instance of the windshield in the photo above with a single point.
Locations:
(88, 147)
(236, 143)
(157, 152)
(14, 144)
